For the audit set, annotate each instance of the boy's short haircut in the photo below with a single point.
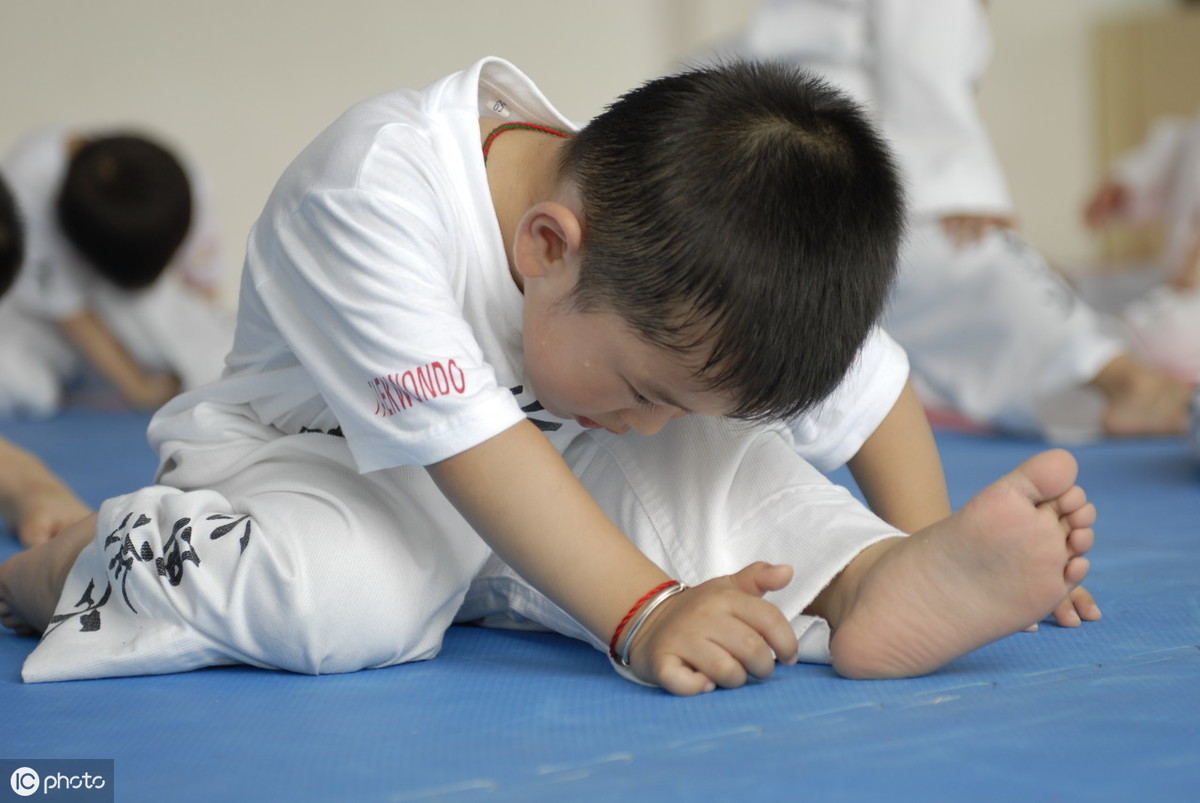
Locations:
(12, 239)
(126, 205)
(746, 214)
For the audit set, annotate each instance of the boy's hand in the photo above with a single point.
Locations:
(719, 633)
(964, 231)
(1108, 203)
(154, 391)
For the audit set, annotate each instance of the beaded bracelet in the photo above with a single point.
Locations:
(642, 608)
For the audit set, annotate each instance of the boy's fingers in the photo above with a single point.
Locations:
(740, 654)
(678, 678)
(751, 650)
(759, 578)
(770, 625)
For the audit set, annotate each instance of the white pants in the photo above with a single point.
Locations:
(35, 358)
(273, 551)
(994, 334)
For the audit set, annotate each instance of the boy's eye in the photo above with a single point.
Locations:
(642, 401)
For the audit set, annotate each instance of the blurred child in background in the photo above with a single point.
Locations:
(105, 215)
(991, 332)
(1159, 182)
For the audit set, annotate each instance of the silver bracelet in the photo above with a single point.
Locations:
(644, 614)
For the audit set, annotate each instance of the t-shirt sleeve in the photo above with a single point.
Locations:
(359, 288)
(834, 432)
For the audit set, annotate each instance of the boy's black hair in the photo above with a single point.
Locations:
(12, 239)
(747, 208)
(126, 204)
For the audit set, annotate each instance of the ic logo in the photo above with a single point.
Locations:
(25, 781)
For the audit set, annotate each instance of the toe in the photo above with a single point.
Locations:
(1080, 541)
(1076, 570)
(1082, 518)
(1065, 614)
(1046, 476)
(1072, 500)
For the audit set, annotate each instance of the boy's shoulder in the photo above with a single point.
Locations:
(393, 144)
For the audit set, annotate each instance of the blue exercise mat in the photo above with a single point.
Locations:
(1106, 712)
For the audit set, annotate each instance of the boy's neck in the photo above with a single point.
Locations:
(522, 170)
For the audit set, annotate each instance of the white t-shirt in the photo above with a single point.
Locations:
(376, 299)
(54, 278)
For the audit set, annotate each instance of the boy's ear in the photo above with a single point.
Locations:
(549, 237)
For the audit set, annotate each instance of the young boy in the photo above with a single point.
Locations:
(106, 213)
(448, 327)
(991, 331)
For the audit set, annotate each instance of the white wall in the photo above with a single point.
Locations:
(242, 85)
(1038, 100)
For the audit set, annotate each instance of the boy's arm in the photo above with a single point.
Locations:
(524, 501)
(899, 468)
(93, 339)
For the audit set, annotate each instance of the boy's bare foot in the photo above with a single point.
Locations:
(32, 581)
(1142, 400)
(907, 606)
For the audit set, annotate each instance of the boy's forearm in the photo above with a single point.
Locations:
(524, 501)
(899, 469)
(93, 339)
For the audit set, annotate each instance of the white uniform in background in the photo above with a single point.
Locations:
(165, 327)
(990, 330)
(379, 330)
(1162, 177)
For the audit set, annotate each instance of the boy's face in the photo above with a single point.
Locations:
(592, 367)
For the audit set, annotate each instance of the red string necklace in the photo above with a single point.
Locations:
(500, 129)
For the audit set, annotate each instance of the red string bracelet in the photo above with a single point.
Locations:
(500, 129)
(616, 636)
